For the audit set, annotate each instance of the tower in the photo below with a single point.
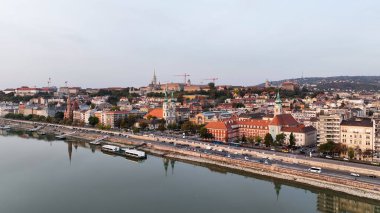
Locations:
(69, 112)
(154, 79)
(278, 105)
(169, 108)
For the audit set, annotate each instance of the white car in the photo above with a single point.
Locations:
(355, 174)
(246, 158)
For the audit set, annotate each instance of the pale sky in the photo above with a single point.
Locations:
(104, 43)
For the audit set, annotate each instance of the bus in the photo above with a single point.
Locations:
(315, 169)
(234, 144)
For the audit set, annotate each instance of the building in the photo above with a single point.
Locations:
(290, 86)
(359, 134)
(26, 91)
(223, 131)
(303, 135)
(376, 120)
(328, 128)
(169, 109)
(113, 118)
(70, 108)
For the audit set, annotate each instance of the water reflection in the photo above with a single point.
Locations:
(335, 204)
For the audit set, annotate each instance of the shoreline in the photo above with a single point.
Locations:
(336, 184)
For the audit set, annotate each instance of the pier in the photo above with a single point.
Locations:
(98, 141)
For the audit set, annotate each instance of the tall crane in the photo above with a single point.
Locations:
(185, 75)
(211, 79)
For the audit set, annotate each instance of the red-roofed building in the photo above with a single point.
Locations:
(223, 131)
(157, 112)
(304, 135)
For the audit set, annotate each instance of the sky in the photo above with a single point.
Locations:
(105, 43)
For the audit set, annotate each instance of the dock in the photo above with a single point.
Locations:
(98, 141)
(63, 137)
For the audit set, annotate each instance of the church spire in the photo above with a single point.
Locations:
(278, 104)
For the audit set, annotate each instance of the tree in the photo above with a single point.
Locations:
(280, 138)
(351, 153)
(92, 120)
(292, 140)
(203, 133)
(143, 125)
(188, 126)
(258, 139)
(268, 140)
(161, 127)
(243, 139)
(59, 115)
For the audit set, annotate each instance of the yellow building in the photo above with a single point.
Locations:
(358, 133)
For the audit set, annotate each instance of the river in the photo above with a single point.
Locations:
(40, 175)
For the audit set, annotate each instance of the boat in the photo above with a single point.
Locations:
(111, 148)
(134, 153)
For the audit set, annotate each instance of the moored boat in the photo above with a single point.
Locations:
(134, 153)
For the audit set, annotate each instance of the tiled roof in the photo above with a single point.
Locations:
(216, 125)
(158, 113)
(284, 120)
(254, 122)
(357, 122)
(298, 129)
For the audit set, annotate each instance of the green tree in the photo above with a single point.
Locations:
(243, 139)
(92, 120)
(161, 127)
(292, 140)
(143, 125)
(258, 139)
(280, 138)
(268, 140)
(203, 133)
(351, 153)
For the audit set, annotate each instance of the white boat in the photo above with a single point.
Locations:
(134, 153)
(110, 148)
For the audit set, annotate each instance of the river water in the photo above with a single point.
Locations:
(38, 176)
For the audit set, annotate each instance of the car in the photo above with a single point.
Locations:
(272, 149)
(246, 158)
(328, 156)
(372, 176)
(355, 174)
(345, 159)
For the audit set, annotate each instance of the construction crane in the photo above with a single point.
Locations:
(211, 79)
(185, 75)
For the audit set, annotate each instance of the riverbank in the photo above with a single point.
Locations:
(356, 188)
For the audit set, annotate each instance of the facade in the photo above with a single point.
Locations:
(112, 118)
(376, 121)
(169, 109)
(359, 134)
(329, 128)
(26, 91)
(304, 136)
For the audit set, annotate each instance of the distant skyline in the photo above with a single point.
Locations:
(99, 43)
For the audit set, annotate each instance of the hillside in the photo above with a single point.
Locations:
(345, 83)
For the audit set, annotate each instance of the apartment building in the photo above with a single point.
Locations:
(328, 128)
(358, 133)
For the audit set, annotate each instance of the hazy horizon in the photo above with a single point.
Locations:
(244, 42)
